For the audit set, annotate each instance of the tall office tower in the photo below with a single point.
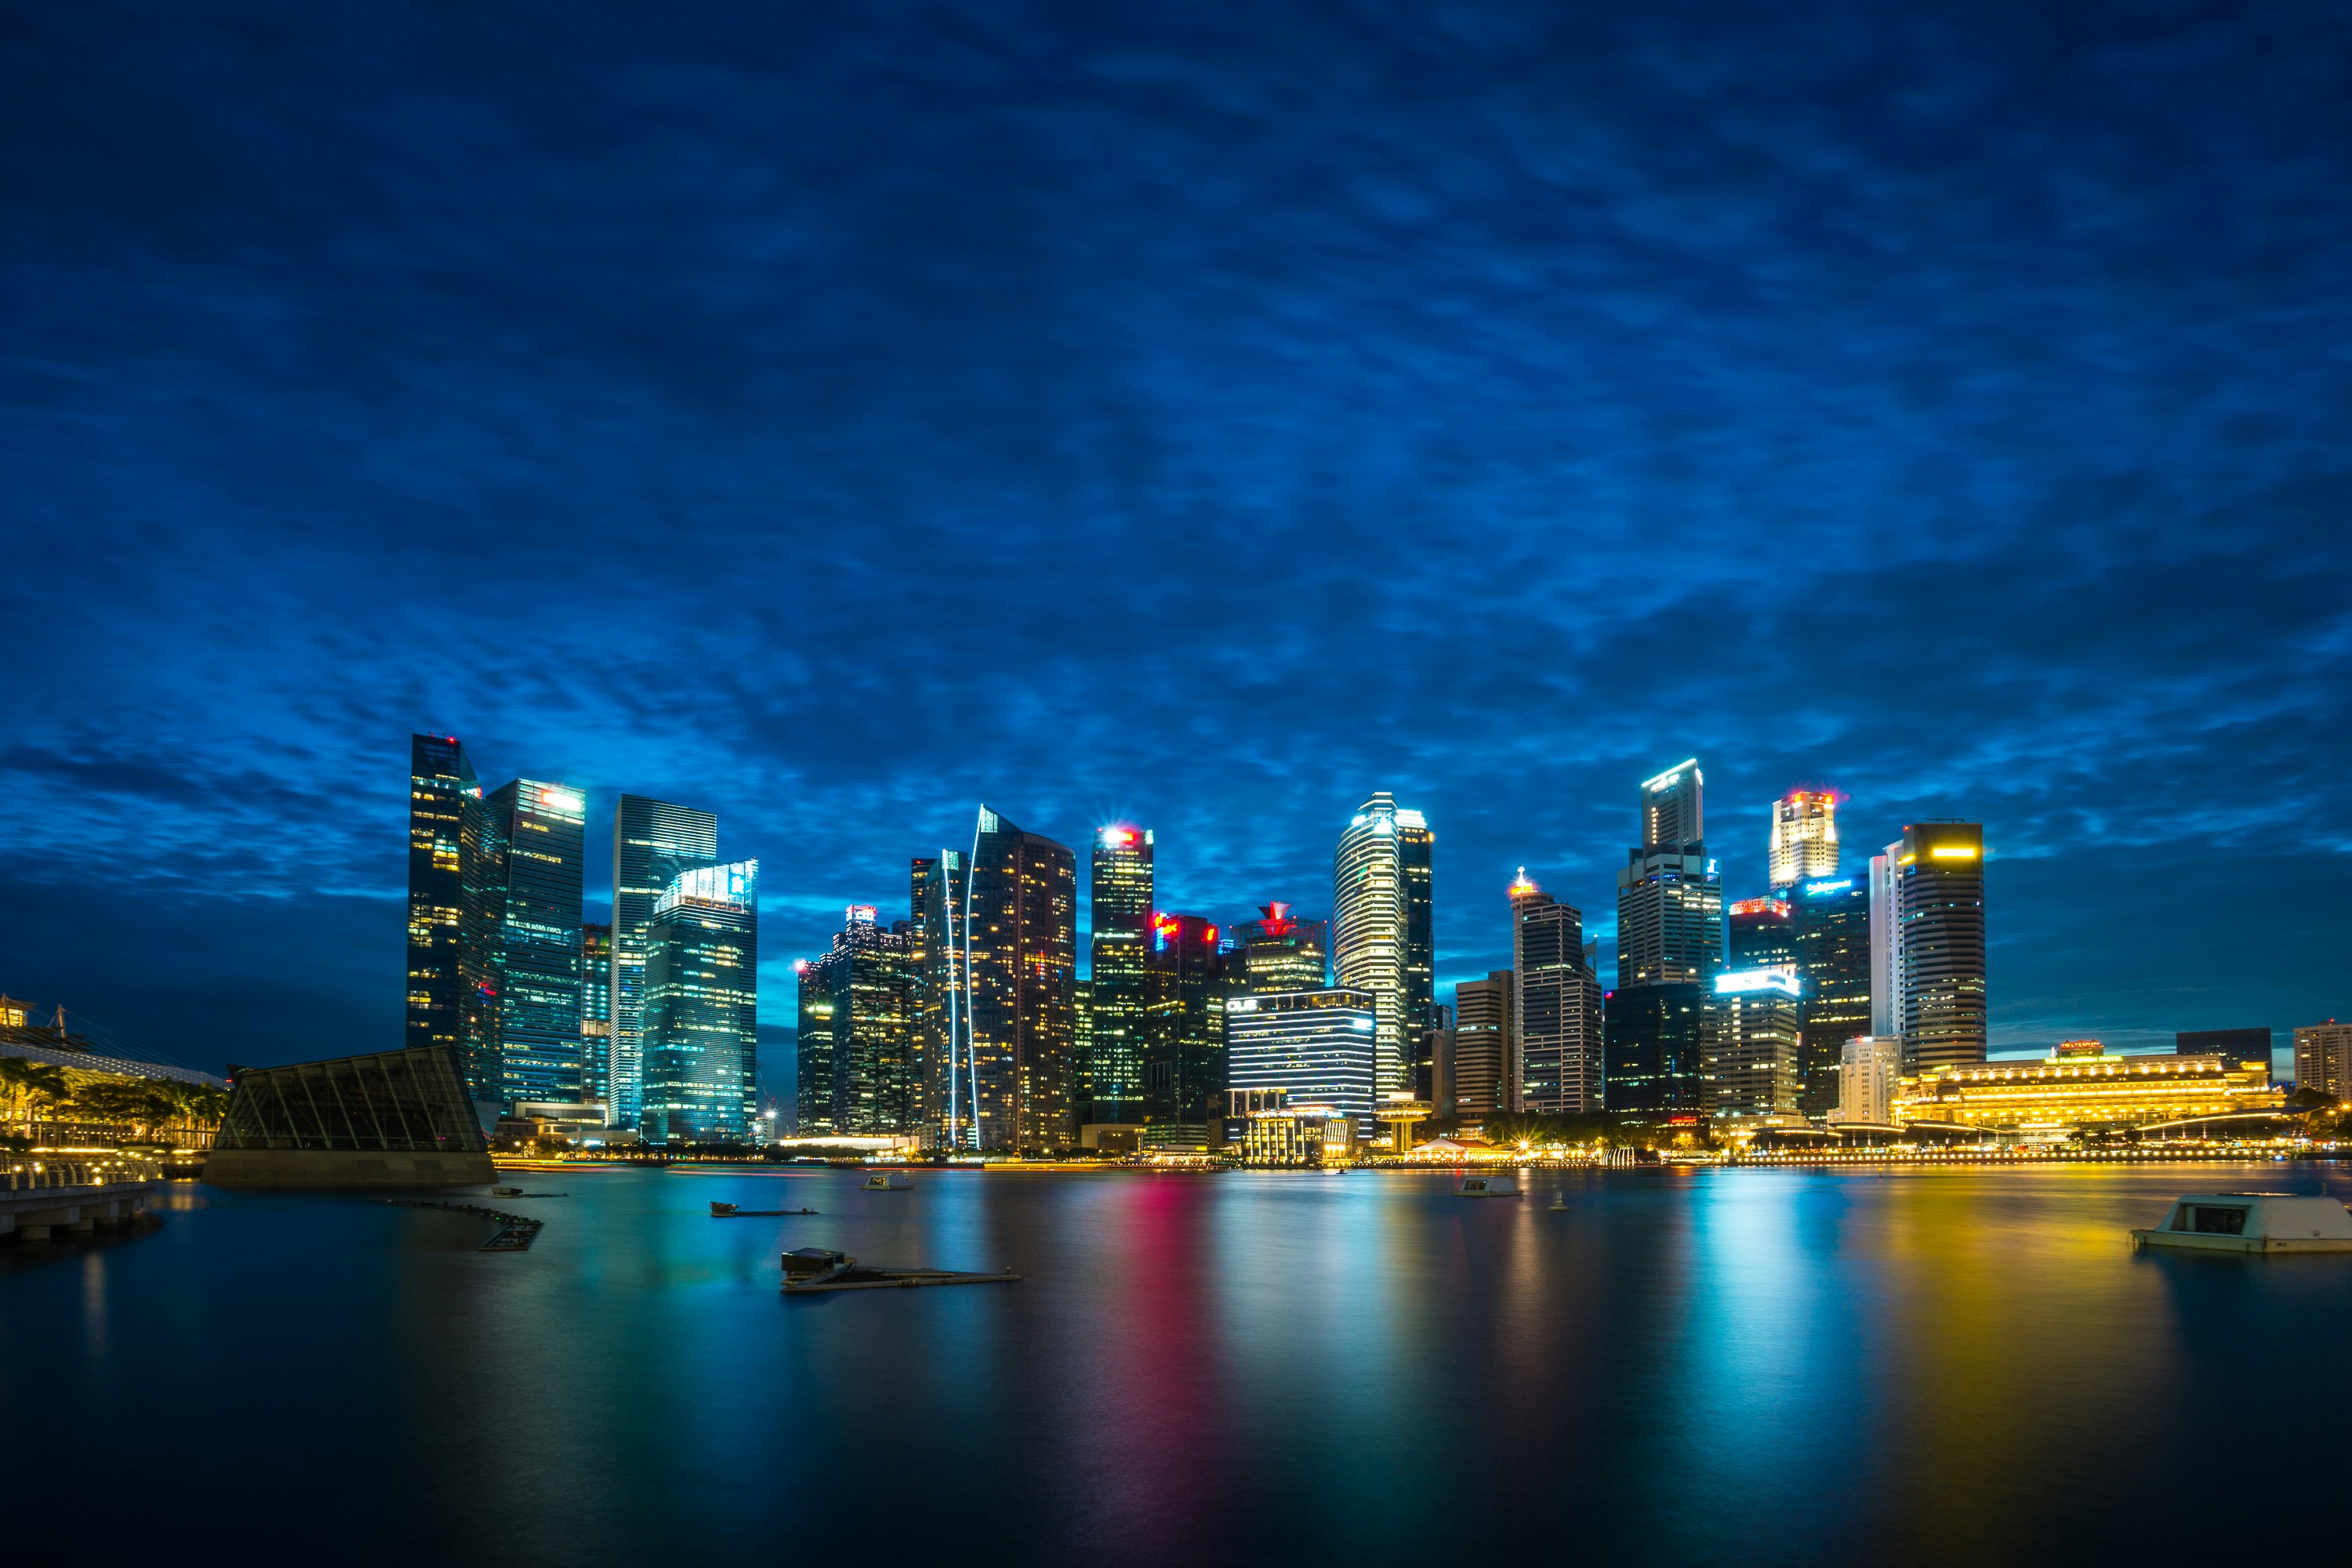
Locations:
(870, 1087)
(701, 1074)
(1833, 958)
(441, 790)
(1021, 939)
(1315, 1045)
(1437, 1045)
(1556, 1026)
(1763, 934)
(596, 1015)
(533, 860)
(1886, 946)
(1748, 1061)
(1483, 1052)
(1183, 1031)
(2323, 1058)
(1652, 1047)
(1371, 929)
(812, 1050)
(1868, 1066)
(1277, 952)
(1416, 856)
(2240, 1047)
(1940, 942)
(1804, 837)
(653, 841)
(938, 886)
(1669, 899)
(1110, 1073)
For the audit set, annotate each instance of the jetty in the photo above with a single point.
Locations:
(813, 1269)
(515, 1231)
(729, 1211)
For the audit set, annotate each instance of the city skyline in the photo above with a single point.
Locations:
(1195, 430)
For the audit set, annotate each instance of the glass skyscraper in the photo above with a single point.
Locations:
(701, 1014)
(1372, 927)
(1277, 952)
(1833, 936)
(1556, 998)
(441, 789)
(1317, 1045)
(1748, 1059)
(1013, 1085)
(596, 1016)
(1940, 935)
(938, 886)
(653, 841)
(1763, 935)
(1183, 1031)
(1654, 1048)
(534, 863)
(1669, 898)
(857, 1053)
(1110, 1071)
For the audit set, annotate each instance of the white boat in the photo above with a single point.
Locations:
(1487, 1187)
(887, 1181)
(2252, 1222)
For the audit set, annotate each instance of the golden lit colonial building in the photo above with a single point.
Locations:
(2079, 1086)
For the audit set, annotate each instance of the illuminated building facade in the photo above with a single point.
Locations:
(2323, 1058)
(938, 885)
(1277, 952)
(532, 863)
(2243, 1045)
(2079, 1087)
(596, 1014)
(1013, 1086)
(1831, 916)
(1299, 1137)
(1747, 1057)
(1652, 1046)
(1885, 941)
(1317, 1045)
(1669, 898)
(1483, 1052)
(1111, 1069)
(1372, 928)
(1940, 940)
(1763, 934)
(653, 841)
(1183, 1030)
(441, 791)
(859, 1003)
(701, 1007)
(812, 1050)
(1416, 860)
(1804, 837)
(1556, 1034)
(1869, 1067)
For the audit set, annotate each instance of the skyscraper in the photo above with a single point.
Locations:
(1317, 1045)
(701, 1007)
(1483, 1052)
(1804, 837)
(2323, 1058)
(1868, 1069)
(1372, 928)
(859, 997)
(596, 1016)
(1416, 858)
(813, 1107)
(1833, 957)
(1183, 1031)
(441, 789)
(938, 886)
(1763, 936)
(1277, 952)
(1669, 898)
(1110, 1071)
(1940, 939)
(1749, 1050)
(1654, 1047)
(1885, 943)
(653, 841)
(1557, 1025)
(1021, 947)
(533, 862)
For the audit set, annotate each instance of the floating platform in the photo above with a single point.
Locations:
(813, 1268)
(515, 1231)
(2252, 1222)
(729, 1211)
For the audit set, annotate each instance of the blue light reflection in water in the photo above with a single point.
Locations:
(1762, 1365)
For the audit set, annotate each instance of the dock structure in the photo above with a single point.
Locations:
(814, 1268)
(42, 1195)
(515, 1231)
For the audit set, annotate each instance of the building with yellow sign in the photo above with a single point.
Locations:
(2080, 1088)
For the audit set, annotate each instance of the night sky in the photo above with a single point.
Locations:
(839, 416)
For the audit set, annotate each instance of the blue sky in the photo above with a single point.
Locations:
(839, 418)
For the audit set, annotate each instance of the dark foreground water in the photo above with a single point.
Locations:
(1738, 1365)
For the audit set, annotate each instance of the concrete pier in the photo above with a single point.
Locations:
(42, 1196)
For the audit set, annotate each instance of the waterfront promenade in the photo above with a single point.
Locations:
(43, 1193)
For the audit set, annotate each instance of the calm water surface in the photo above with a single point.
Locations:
(1754, 1365)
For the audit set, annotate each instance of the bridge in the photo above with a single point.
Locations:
(40, 1193)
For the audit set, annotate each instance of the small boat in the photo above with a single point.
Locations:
(887, 1181)
(810, 1268)
(2252, 1222)
(1487, 1187)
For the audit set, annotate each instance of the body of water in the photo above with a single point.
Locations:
(1752, 1366)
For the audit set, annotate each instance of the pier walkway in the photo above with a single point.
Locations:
(40, 1193)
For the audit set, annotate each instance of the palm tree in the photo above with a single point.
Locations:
(28, 1083)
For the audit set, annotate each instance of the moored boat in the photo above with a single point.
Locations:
(1487, 1187)
(887, 1181)
(2251, 1222)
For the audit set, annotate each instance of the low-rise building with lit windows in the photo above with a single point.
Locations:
(2080, 1088)
(1299, 1137)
